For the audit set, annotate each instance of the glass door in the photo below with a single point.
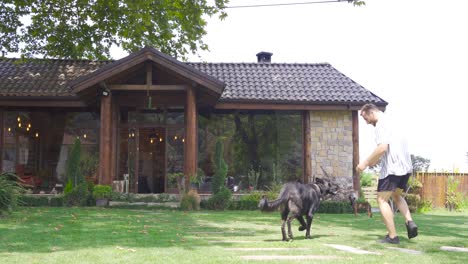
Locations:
(151, 160)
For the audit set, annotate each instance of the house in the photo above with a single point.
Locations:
(152, 117)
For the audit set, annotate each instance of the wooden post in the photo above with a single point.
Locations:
(356, 176)
(190, 155)
(105, 142)
(2, 138)
(307, 147)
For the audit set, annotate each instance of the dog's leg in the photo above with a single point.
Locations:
(302, 222)
(355, 208)
(290, 219)
(309, 225)
(284, 217)
(369, 210)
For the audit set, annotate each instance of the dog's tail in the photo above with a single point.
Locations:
(269, 206)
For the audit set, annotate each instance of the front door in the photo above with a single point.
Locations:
(151, 164)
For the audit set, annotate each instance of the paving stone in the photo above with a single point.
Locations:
(351, 249)
(290, 257)
(456, 249)
(406, 250)
(264, 249)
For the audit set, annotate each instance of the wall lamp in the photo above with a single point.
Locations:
(105, 92)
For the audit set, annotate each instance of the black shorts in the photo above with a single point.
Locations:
(392, 182)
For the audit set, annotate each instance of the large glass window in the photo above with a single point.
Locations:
(260, 148)
(37, 144)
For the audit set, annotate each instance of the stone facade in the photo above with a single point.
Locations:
(332, 148)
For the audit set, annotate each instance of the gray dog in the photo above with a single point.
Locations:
(297, 200)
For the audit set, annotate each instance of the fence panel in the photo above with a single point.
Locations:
(435, 186)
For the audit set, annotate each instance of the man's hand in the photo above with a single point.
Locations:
(361, 167)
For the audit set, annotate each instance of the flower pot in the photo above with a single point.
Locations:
(102, 202)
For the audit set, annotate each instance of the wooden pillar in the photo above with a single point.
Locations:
(356, 176)
(307, 147)
(2, 138)
(105, 142)
(190, 155)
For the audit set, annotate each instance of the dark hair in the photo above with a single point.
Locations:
(369, 107)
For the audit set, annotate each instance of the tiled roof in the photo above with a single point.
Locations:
(245, 82)
(287, 83)
(42, 77)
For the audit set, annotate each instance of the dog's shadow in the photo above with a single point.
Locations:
(296, 238)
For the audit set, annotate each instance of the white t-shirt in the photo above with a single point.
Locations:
(397, 159)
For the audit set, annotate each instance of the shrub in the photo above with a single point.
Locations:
(78, 196)
(221, 168)
(454, 198)
(366, 179)
(102, 191)
(334, 207)
(413, 201)
(73, 169)
(414, 185)
(220, 200)
(425, 206)
(190, 201)
(10, 191)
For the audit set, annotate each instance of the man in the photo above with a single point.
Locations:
(396, 168)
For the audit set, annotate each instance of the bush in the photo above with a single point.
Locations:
(455, 199)
(413, 201)
(190, 201)
(221, 168)
(414, 185)
(334, 207)
(425, 206)
(220, 200)
(78, 196)
(366, 179)
(10, 192)
(102, 192)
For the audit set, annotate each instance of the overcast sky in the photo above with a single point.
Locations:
(411, 53)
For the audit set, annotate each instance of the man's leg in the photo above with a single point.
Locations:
(386, 211)
(401, 204)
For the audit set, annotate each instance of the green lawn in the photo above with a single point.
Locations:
(94, 235)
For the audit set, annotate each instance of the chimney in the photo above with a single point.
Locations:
(264, 57)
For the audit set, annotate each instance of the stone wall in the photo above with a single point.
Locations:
(332, 148)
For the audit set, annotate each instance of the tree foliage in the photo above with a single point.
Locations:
(420, 163)
(77, 29)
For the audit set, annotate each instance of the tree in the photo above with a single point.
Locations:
(77, 29)
(420, 163)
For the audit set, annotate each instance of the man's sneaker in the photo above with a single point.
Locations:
(389, 240)
(412, 229)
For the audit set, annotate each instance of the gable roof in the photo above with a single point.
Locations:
(279, 83)
(155, 56)
(287, 83)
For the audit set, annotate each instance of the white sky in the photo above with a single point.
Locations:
(411, 53)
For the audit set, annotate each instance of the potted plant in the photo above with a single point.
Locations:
(102, 194)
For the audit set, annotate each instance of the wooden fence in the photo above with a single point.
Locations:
(435, 186)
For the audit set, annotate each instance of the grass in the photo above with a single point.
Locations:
(96, 235)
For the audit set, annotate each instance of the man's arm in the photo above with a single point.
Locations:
(373, 158)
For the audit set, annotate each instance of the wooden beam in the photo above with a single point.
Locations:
(105, 142)
(355, 136)
(261, 106)
(190, 155)
(144, 87)
(37, 102)
(307, 147)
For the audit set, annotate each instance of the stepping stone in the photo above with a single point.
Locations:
(406, 250)
(264, 249)
(351, 249)
(279, 257)
(232, 241)
(456, 249)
